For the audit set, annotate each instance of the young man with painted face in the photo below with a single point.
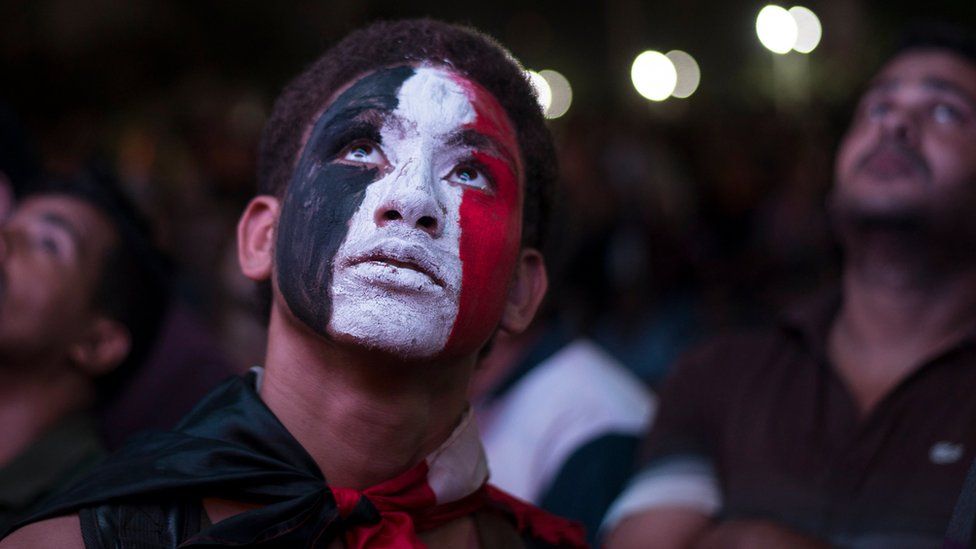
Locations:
(852, 423)
(80, 301)
(402, 181)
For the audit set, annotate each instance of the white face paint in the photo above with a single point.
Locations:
(397, 275)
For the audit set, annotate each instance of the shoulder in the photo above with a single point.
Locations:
(63, 532)
(584, 380)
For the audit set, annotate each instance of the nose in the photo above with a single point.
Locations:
(901, 126)
(411, 199)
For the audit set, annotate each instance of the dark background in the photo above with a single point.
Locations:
(675, 219)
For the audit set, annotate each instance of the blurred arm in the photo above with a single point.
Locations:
(61, 532)
(664, 528)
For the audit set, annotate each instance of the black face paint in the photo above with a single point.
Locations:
(323, 195)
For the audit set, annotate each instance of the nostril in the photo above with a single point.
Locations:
(392, 215)
(427, 222)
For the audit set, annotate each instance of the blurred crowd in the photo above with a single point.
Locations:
(667, 227)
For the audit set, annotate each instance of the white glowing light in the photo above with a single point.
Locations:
(689, 75)
(560, 91)
(653, 75)
(776, 29)
(542, 90)
(808, 29)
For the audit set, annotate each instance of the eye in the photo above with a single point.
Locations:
(49, 245)
(363, 152)
(468, 175)
(943, 113)
(48, 241)
(877, 109)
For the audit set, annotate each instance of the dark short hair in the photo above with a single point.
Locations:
(390, 43)
(18, 159)
(133, 285)
(940, 35)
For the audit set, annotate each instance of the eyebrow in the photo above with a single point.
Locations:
(62, 223)
(930, 83)
(952, 88)
(471, 138)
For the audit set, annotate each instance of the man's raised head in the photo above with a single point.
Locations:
(908, 160)
(413, 42)
(405, 174)
(82, 284)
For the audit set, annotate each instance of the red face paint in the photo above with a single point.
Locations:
(491, 226)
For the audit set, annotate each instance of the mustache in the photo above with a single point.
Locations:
(894, 147)
(403, 253)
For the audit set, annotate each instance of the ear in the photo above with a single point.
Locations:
(103, 346)
(255, 237)
(526, 293)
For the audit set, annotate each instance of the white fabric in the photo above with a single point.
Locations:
(686, 484)
(575, 396)
(458, 467)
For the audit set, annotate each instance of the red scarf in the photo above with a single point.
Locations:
(449, 484)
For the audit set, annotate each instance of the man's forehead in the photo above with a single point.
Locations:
(932, 67)
(435, 100)
(88, 225)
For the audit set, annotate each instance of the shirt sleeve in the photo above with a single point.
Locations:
(679, 468)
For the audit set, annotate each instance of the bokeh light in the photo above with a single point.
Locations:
(689, 75)
(776, 29)
(542, 90)
(808, 29)
(561, 93)
(654, 75)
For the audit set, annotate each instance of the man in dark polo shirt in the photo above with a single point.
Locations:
(852, 422)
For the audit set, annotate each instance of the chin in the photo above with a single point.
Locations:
(413, 331)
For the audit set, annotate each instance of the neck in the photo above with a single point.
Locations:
(363, 417)
(903, 304)
(507, 352)
(898, 287)
(30, 405)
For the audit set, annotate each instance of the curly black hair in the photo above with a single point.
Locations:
(941, 35)
(390, 43)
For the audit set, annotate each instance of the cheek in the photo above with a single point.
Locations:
(489, 246)
(848, 152)
(314, 222)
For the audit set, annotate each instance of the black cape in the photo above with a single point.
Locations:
(229, 446)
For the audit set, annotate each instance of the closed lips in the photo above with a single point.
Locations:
(399, 260)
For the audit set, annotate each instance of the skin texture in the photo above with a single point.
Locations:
(902, 203)
(398, 230)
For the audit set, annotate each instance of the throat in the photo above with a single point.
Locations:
(362, 421)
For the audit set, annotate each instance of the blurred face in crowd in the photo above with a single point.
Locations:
(51, 253)
(910, 153)
(401, 227)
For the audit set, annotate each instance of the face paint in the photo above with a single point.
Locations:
(323, 195)
(409, 248)
(491, 226)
